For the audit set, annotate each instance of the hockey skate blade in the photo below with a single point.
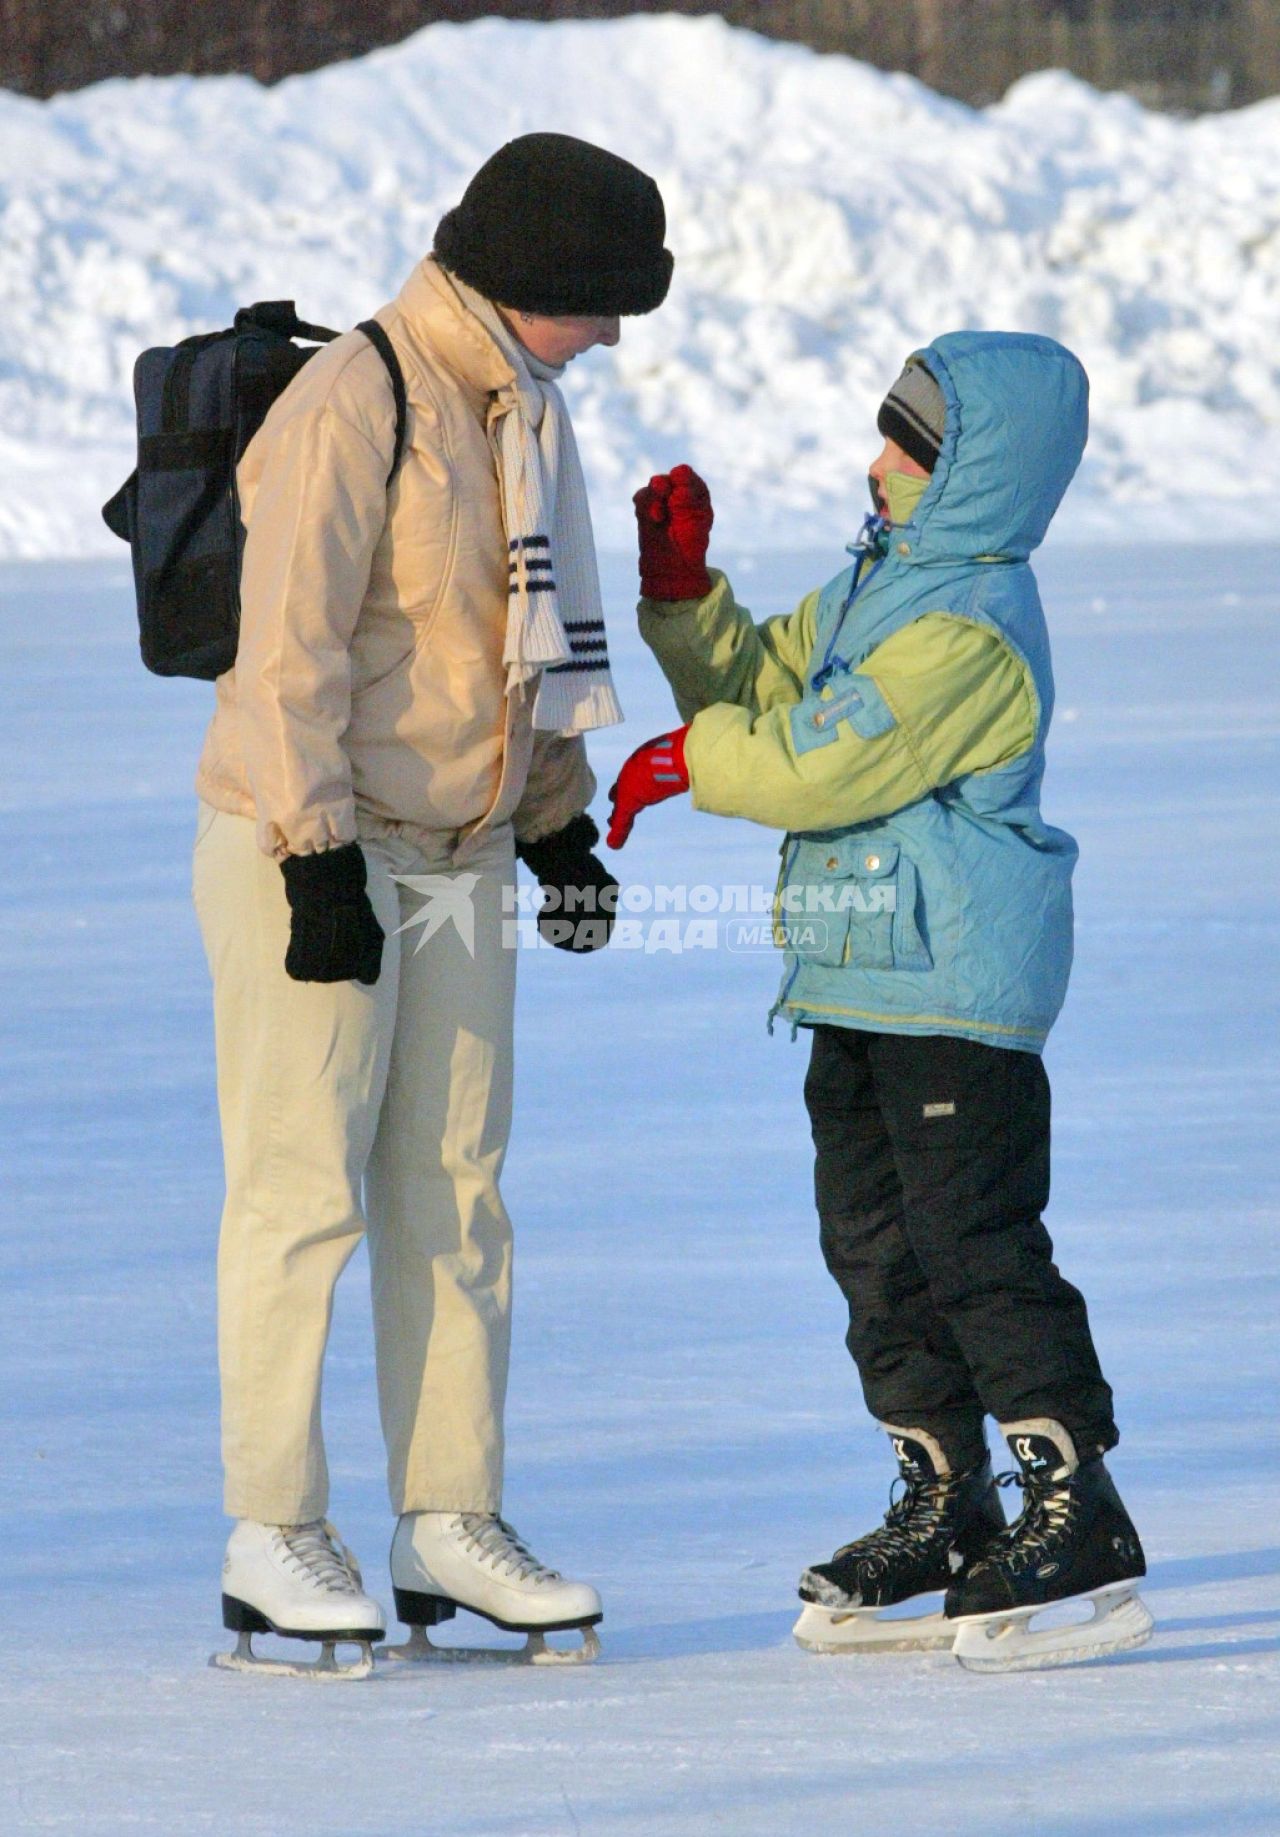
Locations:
(418, 1649)
(1119, 1622)
(322, 1670)
(831, 1630)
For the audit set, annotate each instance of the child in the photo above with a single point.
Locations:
(894, 726)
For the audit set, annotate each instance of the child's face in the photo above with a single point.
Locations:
(891, 458)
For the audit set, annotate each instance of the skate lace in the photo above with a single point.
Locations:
(316, 1551)
(1046, 1522)
(911, 1524)
(494, 1541)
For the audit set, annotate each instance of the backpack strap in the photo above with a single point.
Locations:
(386, 351)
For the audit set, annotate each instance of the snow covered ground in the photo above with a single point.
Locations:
(826, 217)
(684, 1425)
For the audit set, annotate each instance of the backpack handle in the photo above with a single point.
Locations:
(281, 317)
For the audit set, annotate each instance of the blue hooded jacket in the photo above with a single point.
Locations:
(953, 914)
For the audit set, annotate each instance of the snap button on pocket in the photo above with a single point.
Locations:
(833, 861)
(873, 862)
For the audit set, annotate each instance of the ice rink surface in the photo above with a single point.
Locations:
(685, 1427)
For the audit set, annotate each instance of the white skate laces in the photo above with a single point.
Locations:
(475, 1561)
(911, 1524)
(299, 1582)
(315, 1553)
(497, 1546)
(1049, 1514)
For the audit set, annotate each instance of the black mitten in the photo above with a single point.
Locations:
(579, 894)
(335, 936)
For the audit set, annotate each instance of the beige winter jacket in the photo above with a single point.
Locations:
(368, 694)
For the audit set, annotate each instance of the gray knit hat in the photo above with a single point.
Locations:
(914, 414)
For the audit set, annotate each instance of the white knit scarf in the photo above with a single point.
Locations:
(555, 617)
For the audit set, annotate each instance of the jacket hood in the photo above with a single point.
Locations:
(1017, 422)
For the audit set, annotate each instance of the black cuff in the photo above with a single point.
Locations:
(334, 874)
(550, 857)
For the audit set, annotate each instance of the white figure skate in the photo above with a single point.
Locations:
(441, 1561)
(300, 1582)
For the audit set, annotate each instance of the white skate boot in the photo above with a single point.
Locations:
(441, 1561)
(300, 1581)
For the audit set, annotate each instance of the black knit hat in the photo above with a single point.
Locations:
(914, 414)
(554, 225)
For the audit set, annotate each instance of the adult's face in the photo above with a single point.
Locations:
(558, 340)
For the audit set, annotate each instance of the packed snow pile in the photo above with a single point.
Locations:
(825, 217)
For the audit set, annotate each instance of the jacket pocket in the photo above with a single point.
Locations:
(382, 649)
(853, 903)
(385, 673)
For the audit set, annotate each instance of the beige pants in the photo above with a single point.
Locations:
(331, 1093)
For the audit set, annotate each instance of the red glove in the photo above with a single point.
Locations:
(675, 517)
(654, 772)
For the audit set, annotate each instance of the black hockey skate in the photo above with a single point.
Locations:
(942, 1522)
(1072, 1542)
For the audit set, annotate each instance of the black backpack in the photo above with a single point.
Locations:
(199, 405)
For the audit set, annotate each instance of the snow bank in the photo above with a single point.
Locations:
(825, 217)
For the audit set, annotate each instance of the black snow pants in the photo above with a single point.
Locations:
(932, 1172)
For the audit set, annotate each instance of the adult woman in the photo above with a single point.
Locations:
(418, 662)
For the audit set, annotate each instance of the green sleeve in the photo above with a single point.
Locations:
(940, 698)
(710, 651)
